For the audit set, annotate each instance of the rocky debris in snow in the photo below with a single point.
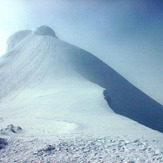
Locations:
(88, 150)
(3, 143)
(99, 150)
(10, 129)
(45, 30)
(47, 150)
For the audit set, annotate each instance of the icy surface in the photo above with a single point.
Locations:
(100, 150)
(43, 92)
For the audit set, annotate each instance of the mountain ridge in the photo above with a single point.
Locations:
(41, 61)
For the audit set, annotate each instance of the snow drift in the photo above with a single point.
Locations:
(50, 86)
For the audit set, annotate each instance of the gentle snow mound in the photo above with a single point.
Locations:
(45, 30)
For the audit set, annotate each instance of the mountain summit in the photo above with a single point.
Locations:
(45, 30)
(59, 88)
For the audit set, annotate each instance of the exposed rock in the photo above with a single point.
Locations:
(10, 129)
(3, 143)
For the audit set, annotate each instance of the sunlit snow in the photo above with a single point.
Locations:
(49, 99)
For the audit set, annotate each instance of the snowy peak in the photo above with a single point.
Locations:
(17, 37)
(48, 63)
(45, 30)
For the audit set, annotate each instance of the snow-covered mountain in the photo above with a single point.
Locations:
(51, 88)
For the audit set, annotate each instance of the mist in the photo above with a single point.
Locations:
(124, 34)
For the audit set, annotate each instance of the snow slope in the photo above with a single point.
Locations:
(45, 91)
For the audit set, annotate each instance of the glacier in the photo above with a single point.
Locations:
(54, 90)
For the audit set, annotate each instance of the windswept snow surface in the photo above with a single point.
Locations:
(49, 99)
(16, 38)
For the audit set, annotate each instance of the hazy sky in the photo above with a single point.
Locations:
(126, 34)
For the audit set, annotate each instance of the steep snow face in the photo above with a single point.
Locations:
(41, 91)
(37, 60)
(16, 38)
(49, 87)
